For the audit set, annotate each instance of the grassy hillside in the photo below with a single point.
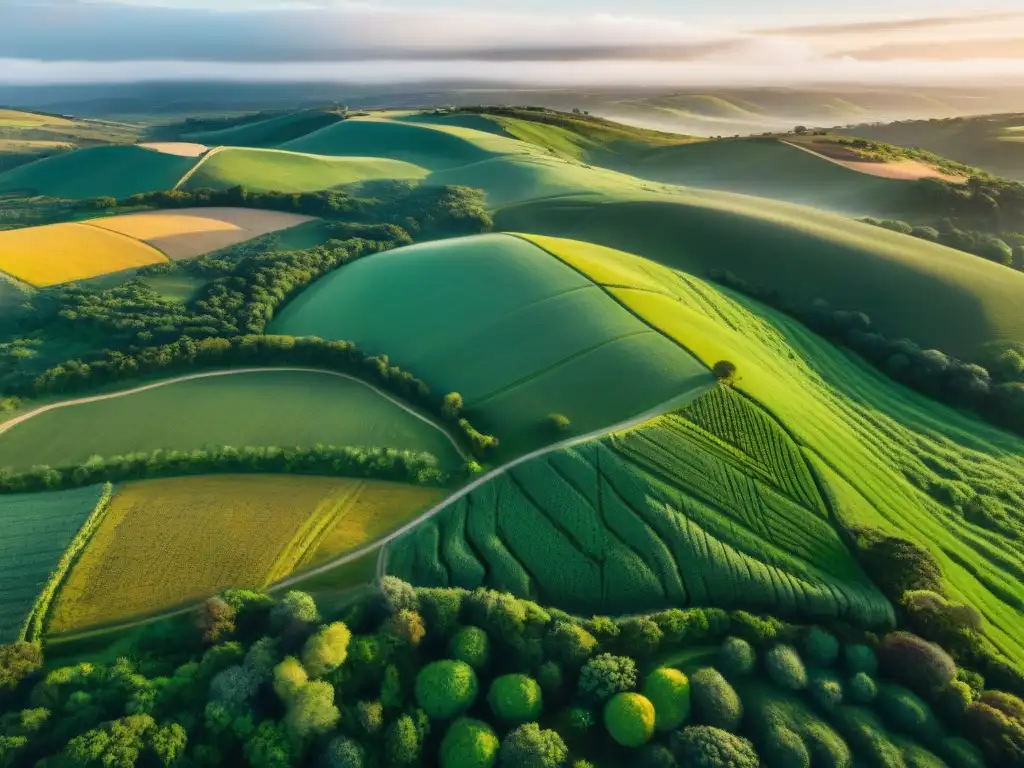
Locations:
(262, 170)
(37, 528)
(279, 408)
(909, 287)
(164, 543)
(713, 505)
(267, 133)
(518, 334)
(115, 171)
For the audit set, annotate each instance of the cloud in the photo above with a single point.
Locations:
(891, 25)
(947, 50)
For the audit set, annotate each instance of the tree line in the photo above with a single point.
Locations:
(1007, 250)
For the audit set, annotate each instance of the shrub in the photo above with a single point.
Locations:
(398, 595)
(867, 738)
(1000, 736)
(784, 748)
(294, 608)
(326, 650)
(406, 626)
(759, 630)
(826, 747)
(471, 645)
(826, 690)
(530, 747)
(576, 722)
(821, 649)
(629, 719)
(715, 702)
(469, 744)
(862, 689)
(669, 691)
(736, 658)
(451, 406)
(897, 565)
(860, 658)
(724, 371)
(785, 668)
(959, 753)
(344, 752)
(570, 644)
(954, 699)
(1007, 703)
(550, 678)
(559, 422)
(515, 698)
(215, 620)
(440, 608)
(606, 675)
(17, 661)
(640, 635)
(701, 746)
(920, 665)
(655, 756)
(903, 711)
(446, 689)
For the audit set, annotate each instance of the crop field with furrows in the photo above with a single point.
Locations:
(112, 171)
(265, 170)
(261, 408)
(663, 514)
(35, 529)
(517, 333)
(189, 232)
(894, 459)
(168, 542)
(61, 253)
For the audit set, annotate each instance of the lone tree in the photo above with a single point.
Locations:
(724, 371)
(558, 422)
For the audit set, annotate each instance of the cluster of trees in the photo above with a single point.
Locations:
(1007, 250)
(327, 203)
(408, 677)
(187, 354)
(997, 394)
(376, 463)
(984, 203)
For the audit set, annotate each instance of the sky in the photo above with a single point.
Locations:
(548, 42)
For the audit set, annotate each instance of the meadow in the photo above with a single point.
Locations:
(269, 132)
(37, 528)
(266, 408)
(478, 332)
(266, 170)
(171, 542)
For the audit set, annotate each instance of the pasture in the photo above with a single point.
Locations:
(170, 542)
(36, 529)
(185, 233)
(479, 331)
(61, 253)
(250, 408)
(269, 132)
(111, 171)
(266, 170)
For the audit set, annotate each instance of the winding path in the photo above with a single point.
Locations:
(7, 425)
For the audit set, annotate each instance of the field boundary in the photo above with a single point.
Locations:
(7, 425)
(33, 629)
(197, 166)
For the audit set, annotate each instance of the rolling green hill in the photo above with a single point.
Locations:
(114, 171)
(519, 335)
(267, 133)
(266, 170)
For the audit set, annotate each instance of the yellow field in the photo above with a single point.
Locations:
(191, 232)
(172, 542)
(60, 253)
(14, 118)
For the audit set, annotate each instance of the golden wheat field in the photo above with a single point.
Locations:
(172, 542)
(61, 253)
(190, 232)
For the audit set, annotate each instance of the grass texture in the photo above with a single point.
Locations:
(280, 408)
(517, 333)
(269, 132)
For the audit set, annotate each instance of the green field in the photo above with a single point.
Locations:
(114, 171)
(279, 408)
(517, 333)
(909, 287)
(269, 132)
(37, 528)
(267, 170)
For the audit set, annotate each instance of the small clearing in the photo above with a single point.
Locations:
(179, 148)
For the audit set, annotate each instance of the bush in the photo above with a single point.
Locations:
(759, 630)
(640, 635)
(655, 756)
(1007, 703)
(701, 746)
(860, 658)
(515, 698)
(821, 649)
(469, 744)
(558, 422)
(570, 644)
(405, 626)
(784, 748)
(959, 753)
(550, 678)
(920, 665)
(736, 658)
(471, 645)
(1001, 737)
(903, 711)
(862, 688)
(724, 371)
(344, 752)
(826, 690)
(785, 668)
(530, 747)
(715, 702)
(17, 661)
(440, 609)
(446, 689)
(629, 719)
(295, 608)
(326, 650)
(606, 675)
(669, 691)
(954, 699)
